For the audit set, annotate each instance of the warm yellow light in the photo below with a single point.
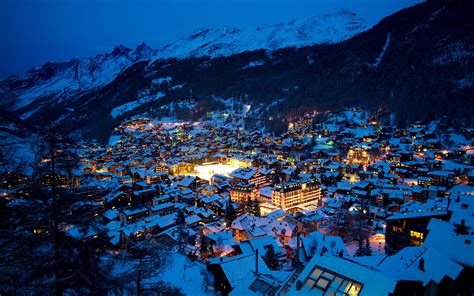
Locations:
(206, 172)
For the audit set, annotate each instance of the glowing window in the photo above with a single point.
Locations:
(416, 235)
(332, 283)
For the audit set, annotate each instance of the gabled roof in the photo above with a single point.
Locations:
(457, 247)
(244, 174)
(405, 265)
(373, 281)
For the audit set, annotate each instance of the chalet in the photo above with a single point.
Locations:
(162, 209)
(222, 243)
(442, 178)
(130, 216)
(249, 175)
(247, 227)
(117, 200)
(408, 227)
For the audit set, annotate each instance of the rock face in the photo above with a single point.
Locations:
(55, 82)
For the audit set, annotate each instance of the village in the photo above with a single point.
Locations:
(342, 203)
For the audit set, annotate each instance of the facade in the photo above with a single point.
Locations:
(289, 195)
(242, 192)
(405, 230)
(249, 175)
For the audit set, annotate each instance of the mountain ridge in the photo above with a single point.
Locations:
(225, 41)
(54, 82)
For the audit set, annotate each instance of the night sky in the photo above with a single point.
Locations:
(36, 31)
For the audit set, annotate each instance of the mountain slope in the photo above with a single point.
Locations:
(329, 28)
(54, 82)
(417, 63)
(16, 143)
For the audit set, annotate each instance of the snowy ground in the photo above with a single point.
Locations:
(377, 244)
(17, 152)
(207, 171)
(122, 109)
(189, 276)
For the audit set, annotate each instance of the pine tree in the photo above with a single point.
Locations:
(360, 249)
(204, 249)
(37, 250)
(148, 259)
(368, 250)
(230, 214)
(181, 222)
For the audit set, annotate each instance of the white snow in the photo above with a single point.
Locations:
(382, 53)
(159, 81)
(186, 275)
(122, 109)
(454, 52)
(76, 76)
(253, 64)
(114, 139)
(177, 86)
(328, 28)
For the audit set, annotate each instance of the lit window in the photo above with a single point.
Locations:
(416, 235)
(331, 283)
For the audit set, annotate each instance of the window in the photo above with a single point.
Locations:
(332, 283)
(397, 229)
(416, 238)
(416, 235)
(322, 283)
(260, 287)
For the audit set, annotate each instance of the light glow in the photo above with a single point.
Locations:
(206, 172)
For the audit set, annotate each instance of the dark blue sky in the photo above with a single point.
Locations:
(36, 31)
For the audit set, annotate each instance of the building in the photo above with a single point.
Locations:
(289, 195)
(243, 192)
(358, 156)
(250, 176)
(408, 227)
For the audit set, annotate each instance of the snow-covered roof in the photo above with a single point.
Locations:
(457, 247)
(244, 174)
(373, 281)
(414, 209)
(405, 265)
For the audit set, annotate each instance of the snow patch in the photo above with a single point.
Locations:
(159, 81)
(122, 109)
(215, 42)
(253, 64)
(455, 52)
(382, 53)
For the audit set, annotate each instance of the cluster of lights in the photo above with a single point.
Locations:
(206, 172)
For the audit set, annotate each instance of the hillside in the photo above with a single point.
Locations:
(417, 63)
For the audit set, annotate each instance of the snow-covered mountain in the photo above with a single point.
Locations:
(54, 82)
(328, 28)
(394, 64)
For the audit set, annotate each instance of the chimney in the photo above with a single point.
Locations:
(421, 264)
(298, 248)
